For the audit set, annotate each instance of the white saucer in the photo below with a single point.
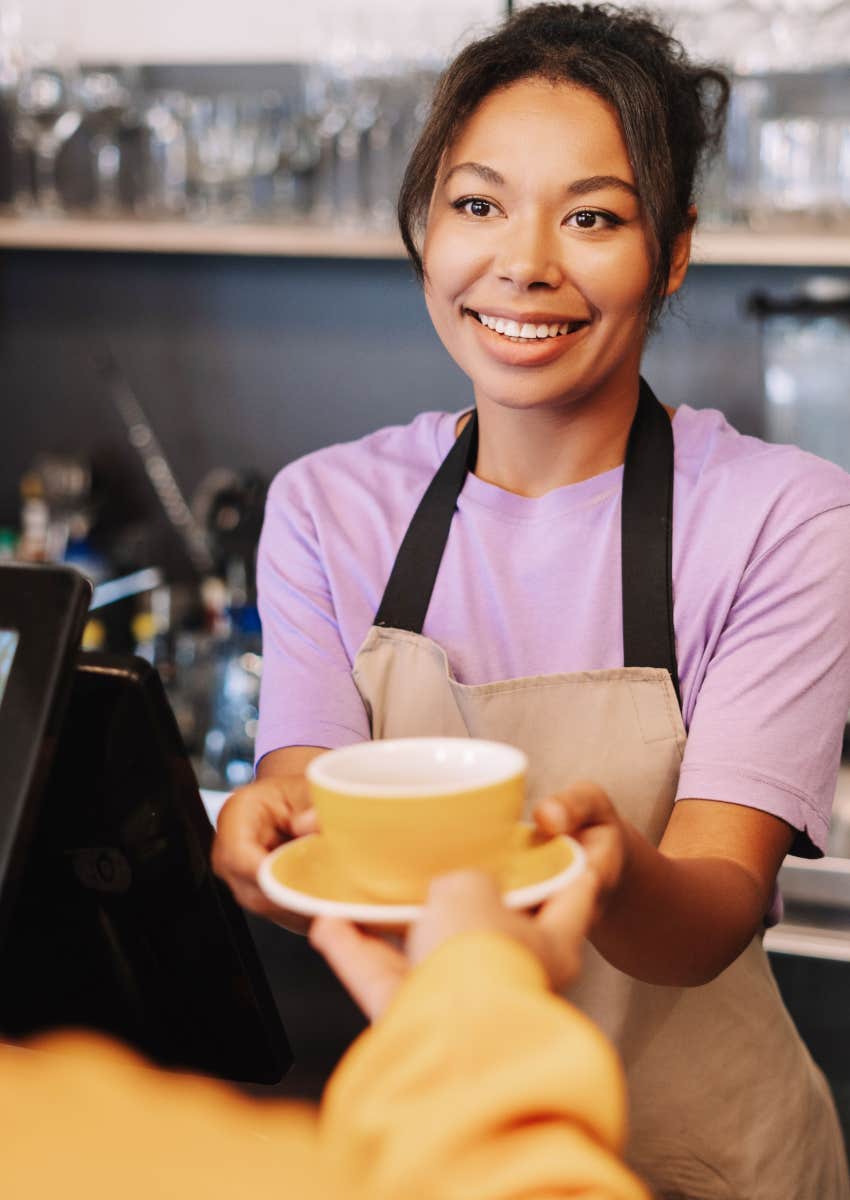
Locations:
(299, 876)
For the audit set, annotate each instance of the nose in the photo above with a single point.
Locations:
(530, 255)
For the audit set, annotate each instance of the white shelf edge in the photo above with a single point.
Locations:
(712, 246)
(803, 941)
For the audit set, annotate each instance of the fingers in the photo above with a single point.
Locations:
(470, 887)
(571, 810)
(569, 913)
(459, 902)
(604, 848)
(585, 812)
(255, 820)
(563, 924)
(304, 822)
(468, 901)
(368, 966)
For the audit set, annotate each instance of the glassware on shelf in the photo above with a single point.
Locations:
(105, 96)
(298, 156)
(803, 171)
(784, 163)
(210, 130)
(836, 143)
(47, 115)
(233, 142)
(327, 108)
(790, 166)
(787, 156)
(382, 174)
(163, 172)
(264, 129)
(327, 146)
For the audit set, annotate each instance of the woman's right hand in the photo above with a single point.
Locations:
(257, 819)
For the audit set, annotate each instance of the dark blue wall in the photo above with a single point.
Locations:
(253, 361)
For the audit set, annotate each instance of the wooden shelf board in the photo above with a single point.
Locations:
(712, 246)
(187, 237)
(744, 247)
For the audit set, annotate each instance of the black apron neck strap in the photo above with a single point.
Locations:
(647, 540)
(408, 591)
(647, 532)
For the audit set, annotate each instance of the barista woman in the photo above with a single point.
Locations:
(635, 595)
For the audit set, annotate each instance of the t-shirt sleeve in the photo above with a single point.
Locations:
(767, 726)
(307, 694)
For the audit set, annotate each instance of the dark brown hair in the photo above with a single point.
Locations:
(671, 111)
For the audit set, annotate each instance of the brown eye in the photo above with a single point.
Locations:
(594, 219)
(479, 208)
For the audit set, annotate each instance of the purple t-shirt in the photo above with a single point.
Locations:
(761, 582)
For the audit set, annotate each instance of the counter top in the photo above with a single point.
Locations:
(213, 803)
(816, 892)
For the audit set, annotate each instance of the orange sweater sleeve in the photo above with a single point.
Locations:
(82, 1118)
(479, 1082)
(476, 1083)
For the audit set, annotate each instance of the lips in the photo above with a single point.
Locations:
(527, 349)
(527, 327)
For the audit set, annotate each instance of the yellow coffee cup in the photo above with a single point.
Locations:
(396, 812)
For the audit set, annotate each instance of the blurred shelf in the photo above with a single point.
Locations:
(743, 247)
(818, 882)
(712, 246)
(187, 237)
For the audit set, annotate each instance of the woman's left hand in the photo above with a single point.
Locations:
(585, 812)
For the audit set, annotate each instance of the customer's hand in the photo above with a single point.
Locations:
(585, 812)
(464, 902)
(256, 820)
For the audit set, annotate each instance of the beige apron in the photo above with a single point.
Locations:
(725, 1099)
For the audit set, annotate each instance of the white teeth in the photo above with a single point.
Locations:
(528, 331)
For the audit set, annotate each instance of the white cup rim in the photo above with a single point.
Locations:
(506, 762)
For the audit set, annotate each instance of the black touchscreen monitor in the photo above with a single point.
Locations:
(42, 613)
(116, 921)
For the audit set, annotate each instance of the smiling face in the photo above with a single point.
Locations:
(536, 256)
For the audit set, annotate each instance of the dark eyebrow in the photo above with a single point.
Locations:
(485, 172)
(580, 187)
(596, 183)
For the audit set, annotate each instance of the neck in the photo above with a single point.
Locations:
(532, 451)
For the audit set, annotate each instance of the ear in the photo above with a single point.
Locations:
(681, 256)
